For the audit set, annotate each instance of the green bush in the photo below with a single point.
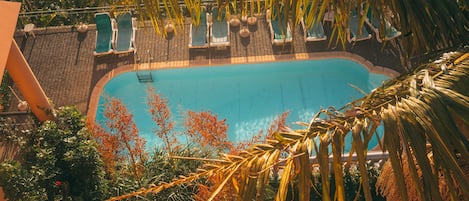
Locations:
(161, 168)
(58, 12)
(60, 161)
(19, 183)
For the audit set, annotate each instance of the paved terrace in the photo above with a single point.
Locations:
(63, 60)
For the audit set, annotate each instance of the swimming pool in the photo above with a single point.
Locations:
(249, 96)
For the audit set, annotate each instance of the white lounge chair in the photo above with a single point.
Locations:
(354, 33)
(390, 32)
(280, 31)
(219, 29)
(198, 34)
(125, 37)
(329, 16)
(105, 34)
(316, 31)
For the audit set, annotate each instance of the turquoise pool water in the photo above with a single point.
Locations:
(249, 96)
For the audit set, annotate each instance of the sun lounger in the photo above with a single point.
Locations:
(105, 33)
(354, 33)
(316, 31)
(198, 35)
(280, 32)
(219, 29)
(390, 32)
(125, 37)
(329, 16)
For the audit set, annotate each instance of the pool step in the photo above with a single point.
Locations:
(144, 76)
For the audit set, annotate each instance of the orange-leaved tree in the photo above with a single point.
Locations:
(119, 139)
(161, 115)
(108, 147)
(205, 129)
(277, 124)
(215, 180)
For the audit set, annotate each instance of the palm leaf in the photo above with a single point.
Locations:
(361, 151)
(285, 181)
(392, 144)
(415, 139)
(323, 160)
(412, 111)
(304, 172)
(228, 177)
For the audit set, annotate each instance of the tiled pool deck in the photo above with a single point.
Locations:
(62, 58)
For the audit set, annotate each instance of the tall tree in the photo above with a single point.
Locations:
(161, 115)
(205, 129)
(119, 139)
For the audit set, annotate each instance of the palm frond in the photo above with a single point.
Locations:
(414, 116)
(427, 25)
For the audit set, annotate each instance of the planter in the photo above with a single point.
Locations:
(234, 21)
(82, 28)
(244, 18)
(169, 28)
(22, 106)
(252, 20)
(244, 32)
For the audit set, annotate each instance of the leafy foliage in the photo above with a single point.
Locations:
(60, 161)
(20, 186)
(120, 139)
(11, 134)
(161, 115)
(205, 129)
(30, 5)
(209, 130)
(58, 11)
(161, 169)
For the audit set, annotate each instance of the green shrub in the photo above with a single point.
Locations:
(60, 161)
(161, 168)
(59, 12)
(19, 183)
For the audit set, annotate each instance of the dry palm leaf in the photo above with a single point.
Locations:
(416, 109)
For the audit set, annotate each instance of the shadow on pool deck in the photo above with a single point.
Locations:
(63, 61)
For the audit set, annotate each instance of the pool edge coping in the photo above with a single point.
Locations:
(99, 86)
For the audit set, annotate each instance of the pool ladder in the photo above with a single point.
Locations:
(144, 76)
